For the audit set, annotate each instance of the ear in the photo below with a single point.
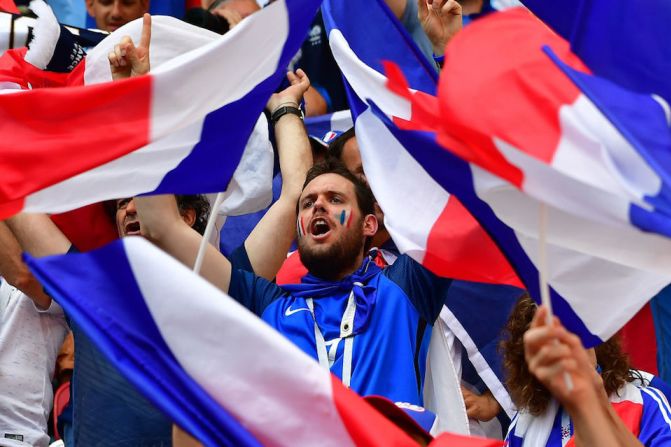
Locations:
(369, 225)
(189, 216)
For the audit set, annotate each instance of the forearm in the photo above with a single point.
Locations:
(15, 271)
(268, 243)
(295, 155)
(596, 424)
(38, 235)
(162, 224)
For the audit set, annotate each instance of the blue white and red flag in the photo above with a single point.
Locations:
(213, 367)
(180, 129)
(508, 105)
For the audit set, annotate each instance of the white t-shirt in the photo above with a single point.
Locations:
(29, 344)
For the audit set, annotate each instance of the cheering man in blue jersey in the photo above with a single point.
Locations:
(359, 321)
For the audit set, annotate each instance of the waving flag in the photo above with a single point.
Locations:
(437, 231)
(181, 129)
(211, 365)
(629, 49)
(424, 220)
(587, 259)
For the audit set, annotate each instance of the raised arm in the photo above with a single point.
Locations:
(161, 223)
(268, 243)
(39, 236)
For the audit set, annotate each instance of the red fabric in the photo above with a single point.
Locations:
(188, 4)
(9, 6)
(292, 270)
(13, 68)
(87, 228)
(453, 440)
(365, 425)
(639, 342)
(458, 247)
(70, 130)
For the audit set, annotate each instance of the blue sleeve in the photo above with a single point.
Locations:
(253, 292)
(426, 291)
(656, 419)
(240, 259)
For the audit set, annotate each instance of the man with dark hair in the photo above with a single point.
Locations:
(358, 320)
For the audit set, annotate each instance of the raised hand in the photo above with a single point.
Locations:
(128, 60)
(441, 20)
(291, 95)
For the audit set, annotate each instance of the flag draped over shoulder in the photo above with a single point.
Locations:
(180, 129)
(212, 366)
(513, 128)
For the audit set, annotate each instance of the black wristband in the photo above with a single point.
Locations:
(281, 111)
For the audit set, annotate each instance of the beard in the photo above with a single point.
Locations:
(329, 262)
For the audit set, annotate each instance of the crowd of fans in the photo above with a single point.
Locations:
(347, 297)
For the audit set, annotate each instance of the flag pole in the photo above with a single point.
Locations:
(543, 275)
(208, 232)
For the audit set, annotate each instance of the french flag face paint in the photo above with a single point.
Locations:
(300, 228)
(344, 218)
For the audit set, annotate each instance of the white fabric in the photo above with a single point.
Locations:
(592, 265)
(29, 344)
(46, 31)
(251, 188)
(172, 38)
(229, 340)
(442, 391)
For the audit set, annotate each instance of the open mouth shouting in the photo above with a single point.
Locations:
(319, 228)
(132, 228)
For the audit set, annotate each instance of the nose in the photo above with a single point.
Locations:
(130, 208)
(116, 9)
(320, 204)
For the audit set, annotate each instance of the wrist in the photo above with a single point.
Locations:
(283, 103)
(284, 110)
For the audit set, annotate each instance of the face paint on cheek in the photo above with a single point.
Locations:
(300, 229)
(344, 217)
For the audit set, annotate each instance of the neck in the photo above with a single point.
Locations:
(344, 273)
(380, 238)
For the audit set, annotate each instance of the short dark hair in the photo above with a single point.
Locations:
(336, 147)
(196, 202)
(199, 204)
(364, 196)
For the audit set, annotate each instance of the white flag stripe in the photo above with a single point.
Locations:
(237, 355)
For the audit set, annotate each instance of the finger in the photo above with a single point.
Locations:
(113, 60)
(539, 317)
(303, 77)
(120, 53)
(451, 7)
(548, 355)
(437, 5)
(145, 37)
(292, 78)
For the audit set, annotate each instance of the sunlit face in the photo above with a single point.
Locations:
(111, 14)
(331, 228)
(127, 221)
